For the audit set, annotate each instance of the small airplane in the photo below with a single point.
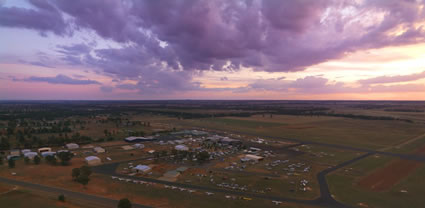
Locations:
(277, 202)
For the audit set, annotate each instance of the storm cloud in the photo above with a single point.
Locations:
(163, 44)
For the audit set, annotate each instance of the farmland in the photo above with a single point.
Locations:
(287, 154)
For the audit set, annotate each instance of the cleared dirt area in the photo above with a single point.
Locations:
(385, 178)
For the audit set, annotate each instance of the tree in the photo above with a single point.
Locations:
(75, 173)
(81, 175)
(124, 203)
(37, 160)
(83, 179)
(85, 170)
(203, 156)
(61, 198)
(11, 163)
(26, 160)
(65, 157)
(51, 159)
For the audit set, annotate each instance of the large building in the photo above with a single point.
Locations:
(133, 139)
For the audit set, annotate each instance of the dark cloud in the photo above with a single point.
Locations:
(268, 35)
(60, 79)
(44, 18)
(165, 43)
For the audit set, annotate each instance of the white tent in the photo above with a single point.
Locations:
(30, 155)
(72, 146)
(99, 150)
(142, 168)
(93, 160)
(181, 148)
(45, 154)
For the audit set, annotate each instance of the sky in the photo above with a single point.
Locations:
(221, 49)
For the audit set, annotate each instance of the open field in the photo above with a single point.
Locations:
(331, 146)
(346, 190)
(359, 133)
(22, 198)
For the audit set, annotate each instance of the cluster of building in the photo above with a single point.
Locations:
(43, 152)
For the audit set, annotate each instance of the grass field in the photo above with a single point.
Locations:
(358, 133)
(344, 184)
(346, 190)
(25, 199)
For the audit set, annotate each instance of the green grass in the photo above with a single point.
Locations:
(343, 186)
(354, 132)
(345, 190)
(240, 123)
(411, 147)
(24, 199)
(325, 155)
(176, 198)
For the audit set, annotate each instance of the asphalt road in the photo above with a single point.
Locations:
(325, 199)
(104, 202)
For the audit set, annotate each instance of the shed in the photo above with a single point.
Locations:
(227, 140)
(127, 147)
(181, 169)
(93, 160)
(172, 174)
(139, 146)
(30, 155)
(45, 154)
(181, 147)
(142, 168)
(44, 149)
(72, 146)
(249, 157)
(98, 150)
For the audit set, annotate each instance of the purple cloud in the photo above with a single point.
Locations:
(163, 44)
(45, 18)
(60, 79)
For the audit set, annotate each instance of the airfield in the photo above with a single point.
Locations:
(261, 160)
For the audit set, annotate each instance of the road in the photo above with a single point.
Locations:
(324, 200)
(104, 202)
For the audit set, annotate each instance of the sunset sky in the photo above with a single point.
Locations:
(221, 49)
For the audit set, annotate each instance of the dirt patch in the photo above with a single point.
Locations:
(5, 188)
(385, 178)
(298, 127)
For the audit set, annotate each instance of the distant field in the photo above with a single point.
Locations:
(345, 189)
(374, 134)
